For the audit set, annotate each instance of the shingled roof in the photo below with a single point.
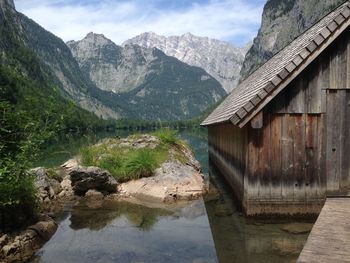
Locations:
(261, 86)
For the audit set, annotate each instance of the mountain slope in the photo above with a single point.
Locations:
(54, 58)
(145, 83)
(220, 59)
(27, 87)
(283, 21)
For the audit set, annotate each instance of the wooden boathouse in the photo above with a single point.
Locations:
(282, 137)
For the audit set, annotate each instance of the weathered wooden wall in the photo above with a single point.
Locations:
(227, 150)
(284, 168)
(302, 151)
(323, 88)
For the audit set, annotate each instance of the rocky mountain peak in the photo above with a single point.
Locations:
(97, 39)
(220, 59)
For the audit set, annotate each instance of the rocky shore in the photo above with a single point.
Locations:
(178, 178)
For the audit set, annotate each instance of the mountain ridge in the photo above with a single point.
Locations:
(220, 59)
(145, 82)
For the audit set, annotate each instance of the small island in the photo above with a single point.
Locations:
(151, 169)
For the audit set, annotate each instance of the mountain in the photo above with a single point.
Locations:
(220, 59)
(34, 79)
(282, 22)
(144, 82)
(53, 58)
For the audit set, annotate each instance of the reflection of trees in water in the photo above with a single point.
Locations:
(96, 219)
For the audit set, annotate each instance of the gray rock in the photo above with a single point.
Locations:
(84, 179)
(24, 246)
(45, 229)
(41, 180)
(56, 186)
(47, 188)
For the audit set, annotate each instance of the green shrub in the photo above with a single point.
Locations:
(142, 163)
(18, 200)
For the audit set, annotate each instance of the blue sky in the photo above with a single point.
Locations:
(235, 21)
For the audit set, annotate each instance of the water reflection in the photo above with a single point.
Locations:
(238, 239)
(121, 232)
(138, 216)
(124, 232)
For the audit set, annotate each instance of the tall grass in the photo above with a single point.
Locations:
(124, 164)
(167, 136)
(141, 164)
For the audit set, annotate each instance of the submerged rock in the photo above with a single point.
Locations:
(223, 210)
(286, 247)
(92, 178)
(297, 228)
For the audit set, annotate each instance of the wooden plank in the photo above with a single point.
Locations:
(276, 160)
(313, 91)
(333, 71)
(311, 163)
(253, 163)
(345, 140)
(264, 160)
(321, 156)
(348, 63)
(299, 156)
(342, 62)
(287, 158)
(297, 96)
(333, 141)
(329, 240)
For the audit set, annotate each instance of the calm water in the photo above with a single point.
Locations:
(202, 231)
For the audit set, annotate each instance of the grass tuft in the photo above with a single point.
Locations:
(141, 164)
(167, 136)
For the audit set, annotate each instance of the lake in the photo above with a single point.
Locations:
(211, 230)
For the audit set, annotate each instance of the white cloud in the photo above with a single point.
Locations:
(236, 21)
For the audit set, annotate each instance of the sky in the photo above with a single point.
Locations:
(234, 21)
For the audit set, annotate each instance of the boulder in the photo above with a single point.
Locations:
(93, 194)
(47, 188)
(24, 246)
(45, 229)
(92, 178)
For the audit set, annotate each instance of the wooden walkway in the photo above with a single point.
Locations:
(329, 240)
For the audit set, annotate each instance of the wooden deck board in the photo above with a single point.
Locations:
(329, 240)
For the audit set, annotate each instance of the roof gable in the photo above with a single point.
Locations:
(265, 83)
